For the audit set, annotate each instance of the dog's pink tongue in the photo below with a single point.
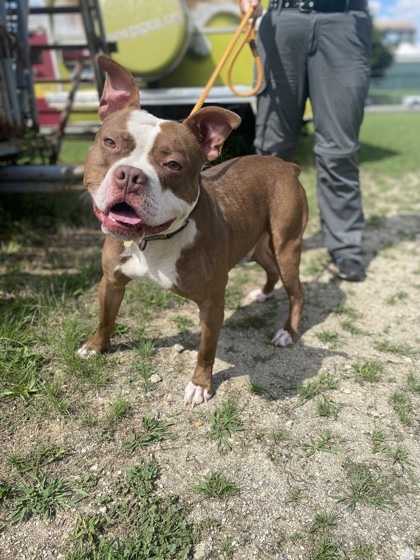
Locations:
(125, 214)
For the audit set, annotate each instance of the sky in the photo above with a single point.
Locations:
(397, 9)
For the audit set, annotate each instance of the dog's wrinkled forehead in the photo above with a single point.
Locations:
(149, 138)
(144, 128)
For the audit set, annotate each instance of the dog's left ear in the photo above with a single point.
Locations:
(211, 126)
(120, 89)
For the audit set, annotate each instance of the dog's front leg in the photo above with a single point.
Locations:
(199, 389)
(110, 295)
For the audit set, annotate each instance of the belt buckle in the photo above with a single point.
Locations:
(305, 9)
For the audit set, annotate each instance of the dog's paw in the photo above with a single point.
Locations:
(85, 352)
(282, 338)
(258, 295)
(196, 395)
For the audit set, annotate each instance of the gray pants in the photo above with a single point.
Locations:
(324, 57)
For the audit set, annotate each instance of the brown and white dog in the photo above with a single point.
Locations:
(169, 223)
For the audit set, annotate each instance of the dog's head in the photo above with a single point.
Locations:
(143, 172)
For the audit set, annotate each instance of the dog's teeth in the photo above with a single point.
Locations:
(113, 219)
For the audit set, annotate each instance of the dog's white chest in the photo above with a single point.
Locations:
(157, 262)
(150, 265)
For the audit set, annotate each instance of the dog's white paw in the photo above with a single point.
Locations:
(84, 352)
(195, 394)
(258, 296)
(282, 338)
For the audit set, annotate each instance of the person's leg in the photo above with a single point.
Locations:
(282, 46)
(339, 70)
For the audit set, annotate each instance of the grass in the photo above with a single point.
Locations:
(331, 338)
(147, 298)
(345, 310)
(87, 529)
(143, 370)
(365, 488)
(37, 459)
(350, 326)
(401, 349)
(20, 362)
(413, 383)
(141, 524)
(224, 424)
(95, 370)
(326, 406)
(323, 522)
(72, 152)
(227, 549)
(120, 408)
(324, 442)
(398, 453)
(379, 441)
(256, 388)
(319, 387)
(183, 323)
(145, 347)
(154, 431)
(294, 495)
(39, 495)
(314, 266)
(279, 436)
(364, 551)
(326, 549)
(399, 296)
(378, 138)
(403, 406)
(368, 372)
(215, 485)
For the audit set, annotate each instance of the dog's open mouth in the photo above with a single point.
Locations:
(124, 214)
(123, 221)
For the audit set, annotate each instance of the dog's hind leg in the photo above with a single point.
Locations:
(263, 255)
(288, 259)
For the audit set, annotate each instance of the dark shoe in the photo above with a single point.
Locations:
(349, 269)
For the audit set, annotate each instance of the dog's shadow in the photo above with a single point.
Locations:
(245, 348)
(276, 372)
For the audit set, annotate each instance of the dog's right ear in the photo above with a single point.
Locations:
(120, 89)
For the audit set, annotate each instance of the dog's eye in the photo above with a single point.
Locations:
(109, 143)
(174, 165)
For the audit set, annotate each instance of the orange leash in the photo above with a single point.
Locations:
(249, 37)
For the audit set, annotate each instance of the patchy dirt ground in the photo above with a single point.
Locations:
(282, 484)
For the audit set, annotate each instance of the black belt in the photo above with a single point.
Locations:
(310, 6)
